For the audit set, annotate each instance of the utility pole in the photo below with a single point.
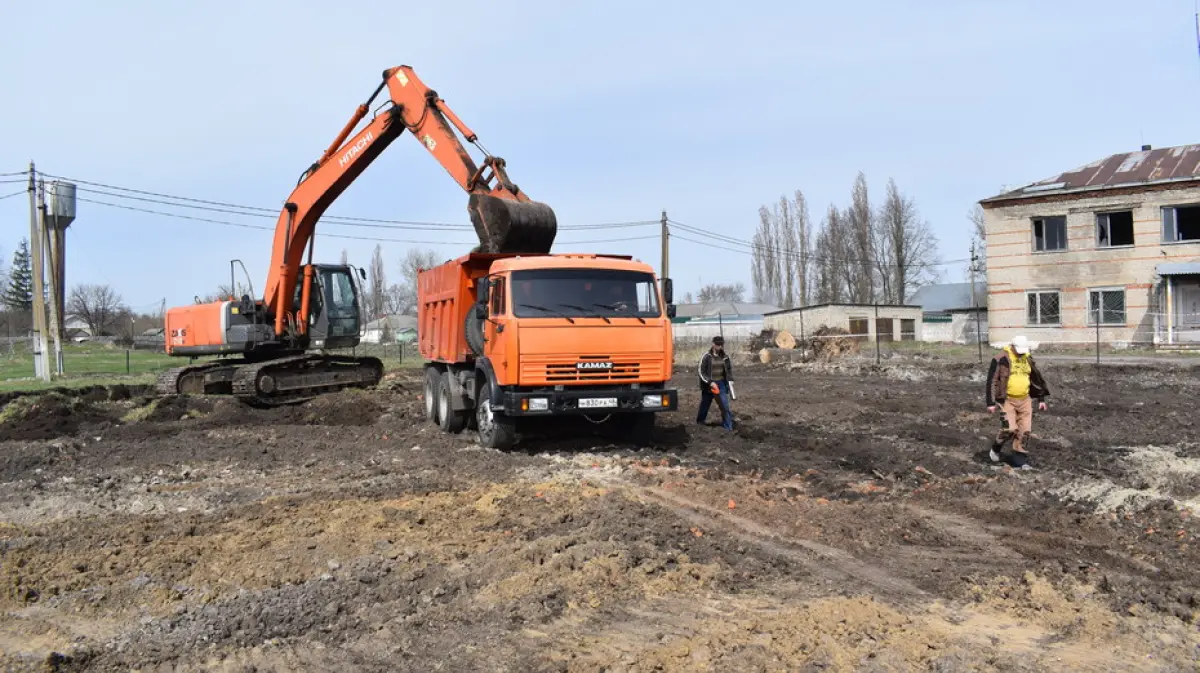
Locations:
(51, 248)
(975, 304)
(41, 346)
(666, 247)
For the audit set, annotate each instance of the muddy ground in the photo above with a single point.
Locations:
(849, 524)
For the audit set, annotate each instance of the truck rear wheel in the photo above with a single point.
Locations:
(496, 431)
(432, 380)
(449, 420)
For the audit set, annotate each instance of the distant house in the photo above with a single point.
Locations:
(395, 328)
(892, 322)
(705, 320)
(948, 312)
(76, 330)
(943, 298)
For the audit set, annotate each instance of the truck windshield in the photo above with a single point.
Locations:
(606, 293)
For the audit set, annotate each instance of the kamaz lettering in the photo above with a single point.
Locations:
(356, 148)
(584, 366)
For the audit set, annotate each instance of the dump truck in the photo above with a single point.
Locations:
(510, 339)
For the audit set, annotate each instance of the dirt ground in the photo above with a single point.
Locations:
(850, 523)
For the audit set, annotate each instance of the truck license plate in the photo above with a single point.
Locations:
(597, 402)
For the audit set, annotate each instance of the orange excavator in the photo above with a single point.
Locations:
(274, 350)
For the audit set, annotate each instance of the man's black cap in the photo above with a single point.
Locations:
(719, 340)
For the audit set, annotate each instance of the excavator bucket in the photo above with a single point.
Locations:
(506, 225)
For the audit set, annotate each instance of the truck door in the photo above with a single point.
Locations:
(496, 328)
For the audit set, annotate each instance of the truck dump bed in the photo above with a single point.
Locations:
(445, 295)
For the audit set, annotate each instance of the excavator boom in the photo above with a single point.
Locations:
(504, 218)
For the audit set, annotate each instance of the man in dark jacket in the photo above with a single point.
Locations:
(716, 373)
(1013, 383)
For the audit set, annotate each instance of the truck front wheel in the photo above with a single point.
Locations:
(641, 429)
(496, 431)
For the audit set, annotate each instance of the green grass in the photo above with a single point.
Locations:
(88, 365)
(84, 365)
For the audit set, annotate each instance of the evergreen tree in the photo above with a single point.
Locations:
(18, 291)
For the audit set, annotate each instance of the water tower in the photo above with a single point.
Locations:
(60, 213)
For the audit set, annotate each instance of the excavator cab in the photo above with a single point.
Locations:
(334, 315)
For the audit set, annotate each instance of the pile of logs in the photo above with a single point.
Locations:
(826, 343)
(829, 343)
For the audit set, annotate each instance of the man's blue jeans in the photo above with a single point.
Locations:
(706, 399)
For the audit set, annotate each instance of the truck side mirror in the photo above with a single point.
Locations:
(668, 291)
(481, 291)
(362, 273)
(671, 310)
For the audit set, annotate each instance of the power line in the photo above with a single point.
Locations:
(341, 236)
(9, 196)
(13, 182)
(754, 247)
(9, 175)
(273, 213)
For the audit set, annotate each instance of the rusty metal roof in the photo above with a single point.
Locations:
(1129, 169)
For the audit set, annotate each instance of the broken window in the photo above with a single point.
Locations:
(1043, 307)
(908, 329)
(1050, 233)
(1107, 306)
(1181, 223)
(1114, 229)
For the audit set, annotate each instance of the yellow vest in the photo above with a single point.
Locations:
(1018, 375)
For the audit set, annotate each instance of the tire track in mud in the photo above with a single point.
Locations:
(821, 559)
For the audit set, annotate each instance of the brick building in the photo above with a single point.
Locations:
(1116, 241)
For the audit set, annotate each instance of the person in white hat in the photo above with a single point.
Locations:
(1014, 382)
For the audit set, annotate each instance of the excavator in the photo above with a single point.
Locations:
(274, 350)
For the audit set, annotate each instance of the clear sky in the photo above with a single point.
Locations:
(607, 111)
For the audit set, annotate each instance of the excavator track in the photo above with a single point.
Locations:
(272, 382)
(194, 379)
(302, 377)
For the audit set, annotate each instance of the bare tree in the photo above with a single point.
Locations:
(401, 298)
(99, 306)
(979, 236)
(910, 246)
(765, 273)
(377, 286)
(859, 221)
(803, 247)
(781, 252)
(831, 270)
(345, 259)
(715, 292)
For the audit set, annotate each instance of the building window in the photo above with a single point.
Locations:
(1114, 229)
(1043, 307)
(1108, 305)
(1181, 223)
(908, 329)
(1050, 233)
(859, 328)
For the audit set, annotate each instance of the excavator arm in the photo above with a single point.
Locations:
(504, 218)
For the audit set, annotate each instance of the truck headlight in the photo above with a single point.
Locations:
(538, 404)
(652, 400)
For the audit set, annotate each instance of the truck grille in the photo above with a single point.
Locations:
(540, 370)
(621, 371)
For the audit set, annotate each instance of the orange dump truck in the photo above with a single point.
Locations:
(510, 338)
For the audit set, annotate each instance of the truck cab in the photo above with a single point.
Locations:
(510, 339)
